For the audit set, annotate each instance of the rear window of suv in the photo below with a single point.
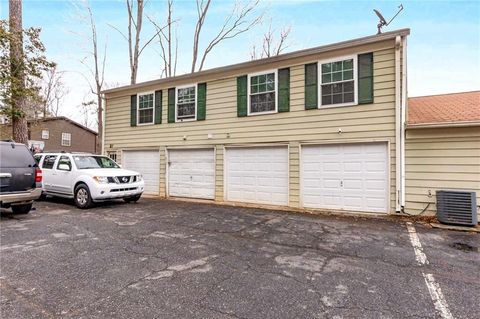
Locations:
(14, 155)
(48, 161)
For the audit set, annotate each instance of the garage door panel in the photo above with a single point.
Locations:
(146, 163)
(191, 173)
(345, 176)
(257, 175)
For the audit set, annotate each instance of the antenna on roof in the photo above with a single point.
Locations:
(382, 23)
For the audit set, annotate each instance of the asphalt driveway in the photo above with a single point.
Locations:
(169, 259)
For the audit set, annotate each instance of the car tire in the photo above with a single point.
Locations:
(21, 209)
(82, 197)
(132, 199)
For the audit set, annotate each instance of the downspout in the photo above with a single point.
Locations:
(398, 128)
(404, 120)
(104, 103)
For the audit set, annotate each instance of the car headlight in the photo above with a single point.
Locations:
(101, 179)
(139, 178)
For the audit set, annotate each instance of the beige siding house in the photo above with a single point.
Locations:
(314, 129)
(442, 148)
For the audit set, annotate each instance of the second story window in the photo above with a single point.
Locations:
(145, 109)
(262, 93)
(186, 103)
(66, 139)
(45, 134)
(338, 82)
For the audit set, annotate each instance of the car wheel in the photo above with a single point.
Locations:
(82, 197)
(132, 199)
(21, 209)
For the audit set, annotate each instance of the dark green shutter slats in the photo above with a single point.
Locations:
(133, 110)
(311, 86)
(242, 96)
(365, 78)
(158, 107)
(171, 105)
(284, 90)
(201, 101)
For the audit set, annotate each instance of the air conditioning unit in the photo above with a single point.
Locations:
(457, 207)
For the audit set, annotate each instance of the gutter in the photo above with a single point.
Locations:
(398, 127)
(292, 55)
(443, 125)
(404, 106)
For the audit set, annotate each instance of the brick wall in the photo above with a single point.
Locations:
(82, 140)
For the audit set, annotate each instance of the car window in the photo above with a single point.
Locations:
(37, 158)
(15, 155)
(64, 160)
(49, 161)
(88, 162)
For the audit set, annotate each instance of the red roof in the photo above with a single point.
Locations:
(445, 108)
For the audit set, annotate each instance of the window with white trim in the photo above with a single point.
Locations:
(66, 139)
(186, 103)
(262, 90)
(45, 134)
(112, 155)
(145, 108)
(338, 82)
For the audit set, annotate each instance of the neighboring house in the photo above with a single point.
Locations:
(319, 128)
(442, 147)
(57, 134)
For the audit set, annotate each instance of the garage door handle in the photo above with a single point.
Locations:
(341, 183)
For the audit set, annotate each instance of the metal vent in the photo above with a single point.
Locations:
(457, 207)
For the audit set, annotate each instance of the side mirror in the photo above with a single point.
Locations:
(63, 167)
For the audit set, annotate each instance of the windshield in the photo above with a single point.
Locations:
(88, 162)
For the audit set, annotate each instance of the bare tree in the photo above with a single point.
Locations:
(94, 62)
(53, 90)
(88, 108)
(168, 42)
(133, 37)
(133, 48)
(236, 22)
(271, 46)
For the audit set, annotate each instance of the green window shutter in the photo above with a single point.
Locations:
(311, 86)
(201, 101)
(171, 105)
(158, 107)
(133, 110)
(242, 96)
(284, 90)
(365, 78)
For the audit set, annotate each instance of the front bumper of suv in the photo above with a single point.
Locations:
(20, 198)
(109, 191)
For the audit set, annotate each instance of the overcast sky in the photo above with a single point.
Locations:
(443, 48)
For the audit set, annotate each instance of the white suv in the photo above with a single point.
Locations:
(87, 178)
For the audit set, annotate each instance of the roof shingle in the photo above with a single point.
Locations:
(445, 108)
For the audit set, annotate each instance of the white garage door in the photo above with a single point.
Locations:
(257, 175)
(191, 173)
(146, 163)
(345, 176)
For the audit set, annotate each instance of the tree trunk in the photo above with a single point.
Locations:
(19, 121)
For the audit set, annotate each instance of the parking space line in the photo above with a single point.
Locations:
(436, 294)
(417, 245)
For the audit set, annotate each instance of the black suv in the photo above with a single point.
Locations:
(19, 177)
